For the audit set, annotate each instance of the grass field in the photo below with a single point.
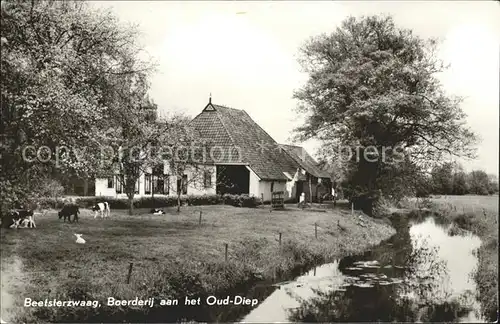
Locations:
(478, 214)
(172, 255)
(469, 203)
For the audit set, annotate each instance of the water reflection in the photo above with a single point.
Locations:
(420, 274)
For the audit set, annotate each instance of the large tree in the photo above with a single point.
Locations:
(442, 178)
(67, 71)
(126, 147)
(186, 157)
(373, 89)
(479, 182)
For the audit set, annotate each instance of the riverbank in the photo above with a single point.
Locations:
(486, 277)
(174, 257)
(479, 215)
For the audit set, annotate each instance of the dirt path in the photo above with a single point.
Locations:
(11, 283)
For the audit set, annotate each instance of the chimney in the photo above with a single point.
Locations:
(210, 98)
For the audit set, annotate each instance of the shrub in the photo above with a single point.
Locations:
(381, 207)
(366, 201)
(156, 202)
(115, 203)
(244, 200)
(203, 200)
(229, 199)
(248, 201)
(466, 220)
(49, 188)
(49, 202)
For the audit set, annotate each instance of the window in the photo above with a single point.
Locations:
(137, 184)
(119, 184)
(147, 184)
(182, 185)
(207, 179)
(111, 183)
(158, 184)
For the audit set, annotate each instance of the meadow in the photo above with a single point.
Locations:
(469, 203)
(172, 256)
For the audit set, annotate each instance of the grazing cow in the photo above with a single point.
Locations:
(101, 209)
(8, 219)
(69, 210)
(22, 218)
(156, 211)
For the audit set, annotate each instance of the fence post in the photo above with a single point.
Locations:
(279, 240)
(225, 252)
(200, 219)
(262, 198)
(316, 230)
(129, 272)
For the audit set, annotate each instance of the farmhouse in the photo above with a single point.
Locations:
(241, 158)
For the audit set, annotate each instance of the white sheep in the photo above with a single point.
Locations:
(79, 239)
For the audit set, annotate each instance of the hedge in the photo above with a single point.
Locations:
(154, 202)
(241, 200)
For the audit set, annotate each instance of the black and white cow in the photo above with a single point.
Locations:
(69, 210)
(8, 219)
(22, 218)
(157, 211)
(101, 209)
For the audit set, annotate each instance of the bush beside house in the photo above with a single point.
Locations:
(155, 202)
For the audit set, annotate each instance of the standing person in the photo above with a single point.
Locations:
(302, 200)
(334, 197)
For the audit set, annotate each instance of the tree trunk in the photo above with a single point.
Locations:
(178, 201)
(85, 187)
(152, 186)
(130, 205)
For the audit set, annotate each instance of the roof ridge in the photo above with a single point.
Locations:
(223, 106)
(291, 145)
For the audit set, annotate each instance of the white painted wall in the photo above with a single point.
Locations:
(196, 184)
(265, 188)
(195, 181)
(262, 188)
(101, 188)
(254, 184)
(291, 189)
(196, 187)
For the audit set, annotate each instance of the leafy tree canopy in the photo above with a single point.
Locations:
(67, 72)
(372, 83)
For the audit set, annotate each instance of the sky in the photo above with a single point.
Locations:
(245, 55)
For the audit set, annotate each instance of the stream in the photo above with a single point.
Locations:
(420, 274)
